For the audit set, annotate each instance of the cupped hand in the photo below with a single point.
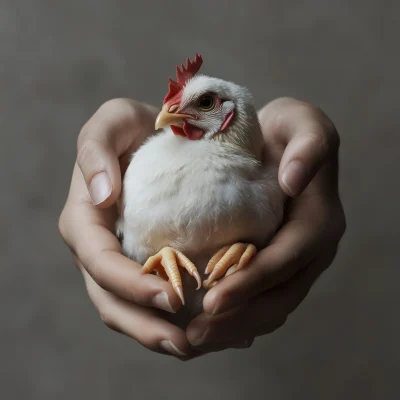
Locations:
(257, 300)
(127, 301)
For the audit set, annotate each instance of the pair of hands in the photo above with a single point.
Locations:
(255, 301)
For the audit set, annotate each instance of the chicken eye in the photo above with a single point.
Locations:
(206, 103)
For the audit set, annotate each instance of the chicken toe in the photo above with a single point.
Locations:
(166, 264)
(228, 260)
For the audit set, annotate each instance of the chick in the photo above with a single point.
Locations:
(200, 194)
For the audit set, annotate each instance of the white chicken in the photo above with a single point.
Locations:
(200, 194)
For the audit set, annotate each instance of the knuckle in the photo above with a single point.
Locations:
(325, 134)
(115, 104)
(66, 236)
(278, 264)
(121, 111)
(291, 258)
(83, 132)
(340, 224)
(107, 318)
(76, 261)
(332, 219)
(95, 270)
(224, 297)
(61, 225)
(319, 140)
(64, 231)
(87, 148)
(274, 116)
(333, 137)
(327, 129)
(110, 112)
(282, 102)
(112, 104)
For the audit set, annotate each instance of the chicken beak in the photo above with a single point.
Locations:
(165, 117)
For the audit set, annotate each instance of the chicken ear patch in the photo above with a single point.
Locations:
(227, 120)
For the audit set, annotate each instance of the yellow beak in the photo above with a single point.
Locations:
(169, 118)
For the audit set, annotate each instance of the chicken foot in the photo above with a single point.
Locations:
(228, 260)
(166, 262)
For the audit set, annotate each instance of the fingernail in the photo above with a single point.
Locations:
(100, 188)
(161, 301)
(168, 346)
(294, 176)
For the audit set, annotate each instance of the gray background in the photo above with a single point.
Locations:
(60, 60)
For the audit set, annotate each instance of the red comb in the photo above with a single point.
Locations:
(182, 76)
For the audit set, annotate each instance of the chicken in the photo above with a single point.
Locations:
(199, 195)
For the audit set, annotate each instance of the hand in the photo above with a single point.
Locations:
(258, 299)
(127, 301)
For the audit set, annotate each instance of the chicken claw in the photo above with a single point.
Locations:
(227, 261)
(166, 263)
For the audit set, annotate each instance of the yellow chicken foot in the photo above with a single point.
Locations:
(227, 261)
(166, 263)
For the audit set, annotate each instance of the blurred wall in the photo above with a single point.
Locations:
(60, 60)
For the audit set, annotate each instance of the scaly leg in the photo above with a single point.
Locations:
(166, 263)
(227, 261)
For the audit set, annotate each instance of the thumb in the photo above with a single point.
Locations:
(306, 152)
(108, 139)
(100, 168)
(307, 137)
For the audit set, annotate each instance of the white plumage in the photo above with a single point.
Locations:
(200, 195)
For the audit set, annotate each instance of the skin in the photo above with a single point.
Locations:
(252, 302)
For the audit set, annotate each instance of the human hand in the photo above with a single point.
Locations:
(126, 300)
(257, 300)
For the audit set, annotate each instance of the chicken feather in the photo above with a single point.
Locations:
(197, 196)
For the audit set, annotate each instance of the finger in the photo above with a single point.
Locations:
(262, 315)
(140, 323)
(116, 273)
(232, 329)
(294, 246)
(113, 133)
(308, 137)
(88, 232)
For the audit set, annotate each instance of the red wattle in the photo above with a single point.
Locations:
(178, 130)
(192, 132)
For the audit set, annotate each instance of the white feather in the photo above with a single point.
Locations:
(196, 196)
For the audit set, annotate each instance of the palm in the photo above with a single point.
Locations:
(249, 303)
